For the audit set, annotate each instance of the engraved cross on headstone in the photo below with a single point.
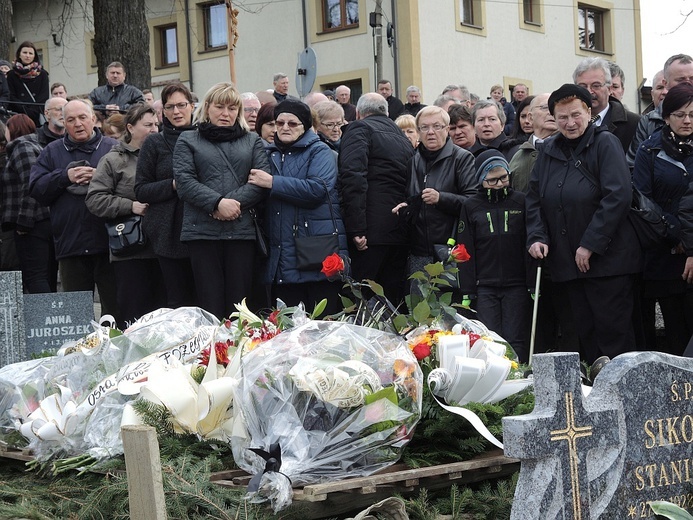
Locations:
(555, 441)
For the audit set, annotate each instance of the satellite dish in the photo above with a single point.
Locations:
(306, 71)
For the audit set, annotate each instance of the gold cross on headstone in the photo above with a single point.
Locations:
(571, 433)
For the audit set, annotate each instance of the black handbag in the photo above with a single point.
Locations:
(645, 216)
(312, 250)
(125, 236)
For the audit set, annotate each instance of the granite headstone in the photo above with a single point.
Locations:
(12, 337)
(630, 441)
(52, 319)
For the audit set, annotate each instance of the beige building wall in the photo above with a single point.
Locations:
(433, 47)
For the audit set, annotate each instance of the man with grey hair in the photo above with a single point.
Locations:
(251, 106)
(281, 86)
(445, 101)
(677, 69)
(343, 95)
(594, 75)
(618, 81)
(372, 180)
(519, 92)
(458, 92)
(59, 179)
(413, 104)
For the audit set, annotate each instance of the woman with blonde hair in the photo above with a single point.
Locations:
(211, 168)
(407, 123)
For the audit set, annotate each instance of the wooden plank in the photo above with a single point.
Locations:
(143, 466)
(455, 470)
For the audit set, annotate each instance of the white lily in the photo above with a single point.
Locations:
(53, 419)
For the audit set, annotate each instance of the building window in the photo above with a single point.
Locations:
(168, 45)
(340, 14)
(470, 13)
(216, 27)
(591, 28)
(532, 11)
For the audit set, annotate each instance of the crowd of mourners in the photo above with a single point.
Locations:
(535, 186)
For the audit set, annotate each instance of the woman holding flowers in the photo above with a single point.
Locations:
(303, 202)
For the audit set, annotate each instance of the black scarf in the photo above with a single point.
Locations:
(675, 146)
(220, 134)
(172, 133)
(428, 155)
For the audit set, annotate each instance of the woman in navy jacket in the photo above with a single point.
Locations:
(302, 191)
(662, 171)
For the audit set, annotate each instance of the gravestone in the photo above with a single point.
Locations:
(12, 337)
(52, 319)
(606, 455)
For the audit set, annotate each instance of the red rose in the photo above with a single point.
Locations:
(459, 253)
(422, 350)
(332, 265)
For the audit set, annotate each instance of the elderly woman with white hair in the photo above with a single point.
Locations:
(329, 119)
(413, 104)
(441, 176)
(211, 169)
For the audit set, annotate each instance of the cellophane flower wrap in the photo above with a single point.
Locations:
(336, 400)
(73, 403)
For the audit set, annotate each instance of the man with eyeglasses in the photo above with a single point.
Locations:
(543, 127)
(373, 160)
(251, 106)
(677, 69)
(594, 74)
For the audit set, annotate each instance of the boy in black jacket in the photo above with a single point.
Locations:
(492, 227)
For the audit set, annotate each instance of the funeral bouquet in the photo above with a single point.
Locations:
(73, 403)
(325, 400)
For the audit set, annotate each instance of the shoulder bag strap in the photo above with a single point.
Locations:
(29, 92)
(329, 201)
(583, 169)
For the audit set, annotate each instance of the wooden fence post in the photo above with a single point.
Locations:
(143, 465)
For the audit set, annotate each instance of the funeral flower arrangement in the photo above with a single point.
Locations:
(298, 400)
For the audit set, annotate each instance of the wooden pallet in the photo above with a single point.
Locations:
(13, 453)
(331, 498)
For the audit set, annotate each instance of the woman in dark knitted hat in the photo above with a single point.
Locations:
(578, 201)
(303, 201)
(662, 171)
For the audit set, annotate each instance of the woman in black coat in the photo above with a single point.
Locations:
(441, 175)
(577, 205)
(154, 185)
(28, 83)
(662, 171)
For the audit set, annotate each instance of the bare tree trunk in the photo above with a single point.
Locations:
(5, 29)
(121, 34)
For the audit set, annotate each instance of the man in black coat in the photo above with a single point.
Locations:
(395, 107)
(594, 75)
(373, 162)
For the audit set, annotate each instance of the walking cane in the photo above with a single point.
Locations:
(535, 311)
